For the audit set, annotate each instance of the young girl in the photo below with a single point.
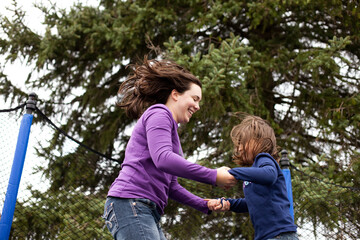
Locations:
(162, 94)
(263, 181)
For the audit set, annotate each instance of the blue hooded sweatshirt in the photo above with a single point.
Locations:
(265, 197)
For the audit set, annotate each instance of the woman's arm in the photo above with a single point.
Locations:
(159, 133)
(181, 195)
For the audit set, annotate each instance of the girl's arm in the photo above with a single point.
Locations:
(265, 174)
(237, 205)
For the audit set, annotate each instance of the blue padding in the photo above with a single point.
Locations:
(287, 176)
(15, 176)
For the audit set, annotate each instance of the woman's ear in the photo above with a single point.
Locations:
(174, 95)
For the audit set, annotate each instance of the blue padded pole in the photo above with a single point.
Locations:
(285, 164)
(16, 170)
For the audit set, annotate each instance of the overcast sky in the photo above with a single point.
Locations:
(17, 72)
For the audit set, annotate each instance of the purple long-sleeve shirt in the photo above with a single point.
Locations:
(153, 160)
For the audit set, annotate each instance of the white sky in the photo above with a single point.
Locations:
(17, 72)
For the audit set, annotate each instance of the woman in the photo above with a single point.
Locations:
(162, 95)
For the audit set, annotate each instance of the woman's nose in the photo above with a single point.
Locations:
(197, 107)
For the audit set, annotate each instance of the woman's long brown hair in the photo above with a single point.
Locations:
(151, 83)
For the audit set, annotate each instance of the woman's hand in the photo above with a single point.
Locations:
(224, 179)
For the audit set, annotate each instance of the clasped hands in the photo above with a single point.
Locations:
(218, 205)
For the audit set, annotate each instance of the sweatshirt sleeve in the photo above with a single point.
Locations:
(265, 174)
(159, 127)
(181, 195)
(238, 205)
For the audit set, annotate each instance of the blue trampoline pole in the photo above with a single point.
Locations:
(285, 164)
(16, 170)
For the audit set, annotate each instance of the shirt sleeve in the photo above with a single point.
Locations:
(238, 205)
(181, 195)
(265, 174)
(159, 127)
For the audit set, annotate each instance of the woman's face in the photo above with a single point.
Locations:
(187, 103)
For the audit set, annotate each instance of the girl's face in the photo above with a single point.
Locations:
(186, 103)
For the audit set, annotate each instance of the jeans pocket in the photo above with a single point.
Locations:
(145, 202)
(110, 218)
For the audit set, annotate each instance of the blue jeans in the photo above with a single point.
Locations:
(286, 236)
(134, 218)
